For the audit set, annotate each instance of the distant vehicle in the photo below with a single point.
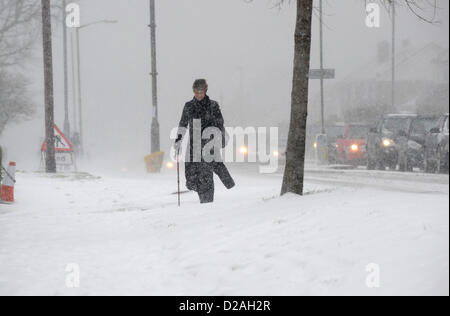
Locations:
(381, 146)
(351, 147)
(411, 145)
(437, 147)
(333, 132)
(329, 140)
(1, 161)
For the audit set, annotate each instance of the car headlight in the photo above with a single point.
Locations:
(388, 142)
(354, 148)
(244, 150)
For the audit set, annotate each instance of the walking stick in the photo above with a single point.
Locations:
(178, 179)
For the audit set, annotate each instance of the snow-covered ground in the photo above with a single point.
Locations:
(128, 237)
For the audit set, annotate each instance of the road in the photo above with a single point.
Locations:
(340, 176)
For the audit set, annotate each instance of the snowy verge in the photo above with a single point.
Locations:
(128, 237)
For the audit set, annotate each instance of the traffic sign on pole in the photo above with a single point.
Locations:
(322, 74)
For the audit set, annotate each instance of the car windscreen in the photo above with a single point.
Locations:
(396, 124)
(422, 126)
(358, 132)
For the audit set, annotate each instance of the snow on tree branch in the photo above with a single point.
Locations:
(18, 30)
(15, 102)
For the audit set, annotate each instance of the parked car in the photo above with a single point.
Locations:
(411, 145)
(351, 147)
(382, 150)
(437, 147)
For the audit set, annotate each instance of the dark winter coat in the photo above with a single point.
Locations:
(206, 110)
(199, 175)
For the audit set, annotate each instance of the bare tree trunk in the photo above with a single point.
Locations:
(295, 155)
(50, 161)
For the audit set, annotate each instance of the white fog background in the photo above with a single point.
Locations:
(244, 50)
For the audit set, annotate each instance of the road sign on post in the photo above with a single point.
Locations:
(64, 153)
(322, 74)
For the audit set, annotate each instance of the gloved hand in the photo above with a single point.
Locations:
(177, 146)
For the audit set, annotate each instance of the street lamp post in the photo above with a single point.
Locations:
(322, 100)
(66, 76)
(155, 137)
(393, 52)
(80, 106)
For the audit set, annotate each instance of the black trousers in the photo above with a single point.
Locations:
(200, 178)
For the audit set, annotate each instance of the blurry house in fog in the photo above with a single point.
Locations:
(422, 84)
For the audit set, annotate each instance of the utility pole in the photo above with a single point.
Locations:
(393, 52)
(50, 161)
(155, 137)
(66, 76)
(322, 101)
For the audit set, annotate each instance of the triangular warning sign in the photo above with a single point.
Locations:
(62, 144)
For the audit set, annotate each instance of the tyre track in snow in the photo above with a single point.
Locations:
(404, 182)
(414, 182)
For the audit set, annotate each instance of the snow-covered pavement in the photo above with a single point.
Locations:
(127, 236)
